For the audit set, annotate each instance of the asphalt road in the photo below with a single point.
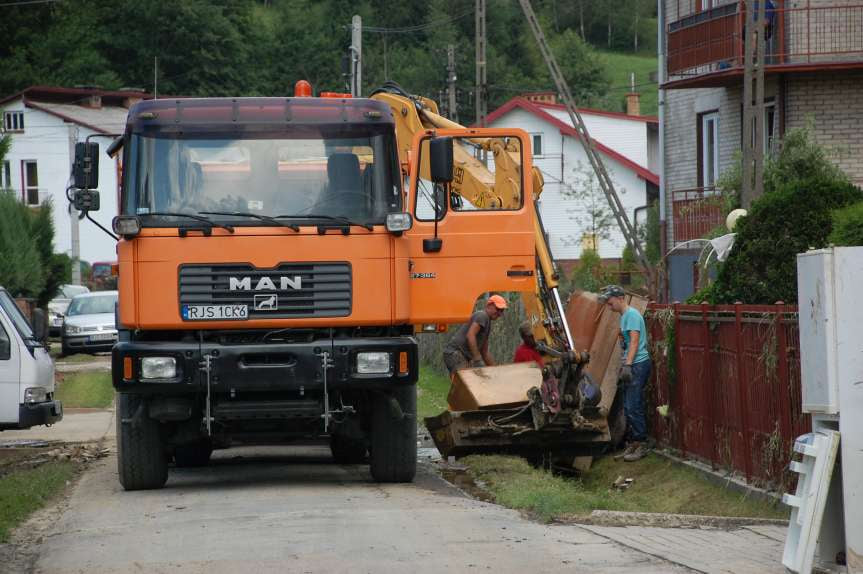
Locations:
(280, 509)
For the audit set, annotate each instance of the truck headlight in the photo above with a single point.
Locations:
(158, 367)
(35, 395)
(373, 363)
(399, 222)
(71, 329)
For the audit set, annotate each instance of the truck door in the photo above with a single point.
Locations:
(10, 372)
(474, 234)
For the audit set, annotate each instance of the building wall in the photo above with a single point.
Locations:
(831, 106)
(625, 136)
(48, 140)
(565, 217)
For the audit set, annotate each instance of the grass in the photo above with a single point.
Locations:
(619, 67)
(85, 390)
(659, 485)
(22, 492)
(432, 390)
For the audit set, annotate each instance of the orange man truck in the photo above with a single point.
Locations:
(276, 257)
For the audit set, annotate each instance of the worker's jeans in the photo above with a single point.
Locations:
(633, 402)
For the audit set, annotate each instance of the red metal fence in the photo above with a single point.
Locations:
(711, 40)
(695, 212)
(731, 380)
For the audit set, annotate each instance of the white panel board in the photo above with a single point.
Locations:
(818, 345)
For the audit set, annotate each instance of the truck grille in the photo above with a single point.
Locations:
(301, 289)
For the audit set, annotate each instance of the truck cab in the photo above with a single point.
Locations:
(26, 372)
(273, 270)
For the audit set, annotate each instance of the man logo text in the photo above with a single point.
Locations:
(264, 284)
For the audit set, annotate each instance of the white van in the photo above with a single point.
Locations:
(26, 371)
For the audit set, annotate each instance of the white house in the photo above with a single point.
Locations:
(45, 123)
(628, 144)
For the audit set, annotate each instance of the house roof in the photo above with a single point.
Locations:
(537, 109)
(64, 103)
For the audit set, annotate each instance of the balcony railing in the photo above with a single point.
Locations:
(800, 34)
(696, 212)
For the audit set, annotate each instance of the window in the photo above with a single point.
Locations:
(6, 175)
(5, 345)
(31, 182)
(537, 145)
(13, 121)
(708, 143)
(473, 184)
(589, 241)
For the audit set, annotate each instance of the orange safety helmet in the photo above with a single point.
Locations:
(497, 301)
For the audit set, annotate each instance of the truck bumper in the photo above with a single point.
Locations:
(272, 367)
(37, 414)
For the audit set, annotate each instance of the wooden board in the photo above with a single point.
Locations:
(583, 313)
(501, 386)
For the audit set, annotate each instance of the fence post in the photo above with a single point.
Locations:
(674, 396)
(784, 383)
(709, 382)
(741, 391)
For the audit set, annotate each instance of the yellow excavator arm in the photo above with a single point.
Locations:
(488, 189)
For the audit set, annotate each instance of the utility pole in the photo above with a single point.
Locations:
(481, 83)
(450, 83)
(752, 172)
(73, 214)
(356, 56)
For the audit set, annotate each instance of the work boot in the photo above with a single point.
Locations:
(638, 452)
(630, 446)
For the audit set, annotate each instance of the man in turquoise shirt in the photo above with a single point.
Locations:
(635, 370)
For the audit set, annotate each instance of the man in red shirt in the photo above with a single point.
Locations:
(527, 352)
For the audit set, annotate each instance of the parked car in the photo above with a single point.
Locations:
(90, 325)
(26, 371)
(58, 305)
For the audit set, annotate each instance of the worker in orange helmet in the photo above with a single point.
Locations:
(469, 346)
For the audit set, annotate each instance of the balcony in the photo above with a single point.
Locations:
(695, 213)
(705, 48)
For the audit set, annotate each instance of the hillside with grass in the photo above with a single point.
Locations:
(619, 66)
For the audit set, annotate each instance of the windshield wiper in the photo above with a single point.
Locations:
(201, 218)
(336, 218)
(265, 218)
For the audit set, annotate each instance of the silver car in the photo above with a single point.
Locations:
(58, 306)
(89, 325)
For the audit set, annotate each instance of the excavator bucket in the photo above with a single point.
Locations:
(502, 409)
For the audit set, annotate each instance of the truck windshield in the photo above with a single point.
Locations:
(311, 170)
(8, 306)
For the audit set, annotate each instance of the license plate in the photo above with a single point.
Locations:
(215, 312)
(102, 337)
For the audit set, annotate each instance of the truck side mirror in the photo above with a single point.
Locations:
(85, 199)
(85, 171)
(441, 159)
(38, 320)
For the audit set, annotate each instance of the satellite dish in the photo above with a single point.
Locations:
(731, 220)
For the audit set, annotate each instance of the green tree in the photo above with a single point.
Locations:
(802, 189)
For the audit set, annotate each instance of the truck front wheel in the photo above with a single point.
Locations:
(393, 448)
(141, 460)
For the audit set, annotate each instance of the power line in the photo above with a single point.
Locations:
(418, 27)
(27, 2)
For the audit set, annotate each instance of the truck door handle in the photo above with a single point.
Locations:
(519, 273)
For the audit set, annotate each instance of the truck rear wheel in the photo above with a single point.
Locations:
(393, 448)
(141, 460)
(190, 455)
